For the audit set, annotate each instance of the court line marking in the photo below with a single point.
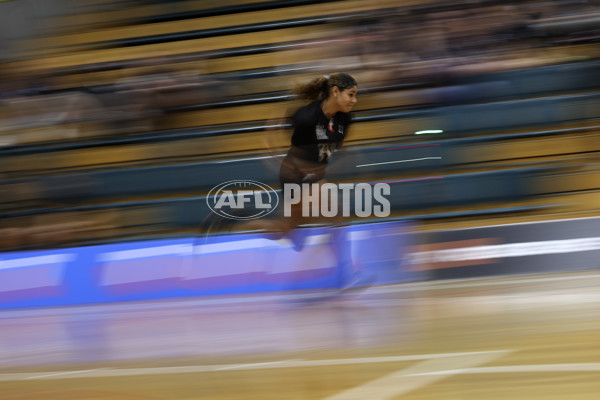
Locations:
(55, 374)
(414, 377)
(574, 367)
(114, 372)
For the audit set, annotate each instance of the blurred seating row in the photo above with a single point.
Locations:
(68, 120)
(387, 160)
(110, 14)
(371, 125)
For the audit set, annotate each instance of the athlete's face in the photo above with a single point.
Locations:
(346, 99)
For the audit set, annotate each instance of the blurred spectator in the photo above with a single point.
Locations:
(30, 104)
(153, 87)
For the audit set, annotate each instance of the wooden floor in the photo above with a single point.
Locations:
(528, 337)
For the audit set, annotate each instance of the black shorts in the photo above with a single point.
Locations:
(297, 171)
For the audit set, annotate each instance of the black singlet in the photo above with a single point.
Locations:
(315, 136)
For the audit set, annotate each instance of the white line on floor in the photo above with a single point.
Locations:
(113, 372)
(59, 374)
(412, 378)
(577, 367)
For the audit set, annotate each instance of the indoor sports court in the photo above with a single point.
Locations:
(518, 337)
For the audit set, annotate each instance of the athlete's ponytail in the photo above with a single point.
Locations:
(318, 88)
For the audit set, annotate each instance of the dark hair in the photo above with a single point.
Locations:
(319, 87)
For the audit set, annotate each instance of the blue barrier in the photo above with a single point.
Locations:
(190, 267)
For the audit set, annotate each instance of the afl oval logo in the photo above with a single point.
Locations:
(242, 199)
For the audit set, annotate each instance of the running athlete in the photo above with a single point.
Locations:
(319, 129)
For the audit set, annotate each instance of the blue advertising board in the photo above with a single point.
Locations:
(210, 266)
